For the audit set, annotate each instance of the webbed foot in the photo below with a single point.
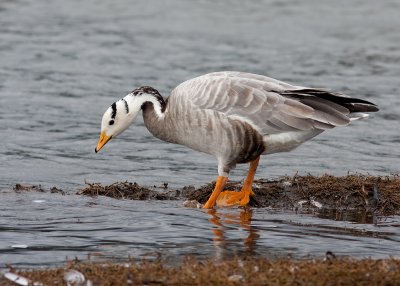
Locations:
(233, 198)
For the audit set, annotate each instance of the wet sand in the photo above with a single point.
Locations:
(237, 271)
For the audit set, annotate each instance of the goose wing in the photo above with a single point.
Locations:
(270, 105)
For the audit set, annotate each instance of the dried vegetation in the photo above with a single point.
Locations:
(250, 271)
(371, 194)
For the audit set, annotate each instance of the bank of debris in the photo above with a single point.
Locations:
(379, 195)
(127, 190)
(368, 194)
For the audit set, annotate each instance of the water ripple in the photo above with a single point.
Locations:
(62, 66)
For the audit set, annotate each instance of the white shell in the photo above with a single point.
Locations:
(235, 278)
(19, 246)
(18, 279)
(74, 278)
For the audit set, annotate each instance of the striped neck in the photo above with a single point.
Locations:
(143, 97)
(122, 113)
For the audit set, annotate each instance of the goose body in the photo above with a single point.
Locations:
(236, 117)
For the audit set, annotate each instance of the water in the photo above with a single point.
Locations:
(102, 228)
(64, 62)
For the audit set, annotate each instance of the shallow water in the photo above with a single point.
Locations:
(63, 62)
(58, 227)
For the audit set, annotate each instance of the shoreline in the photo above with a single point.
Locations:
(363, 196)
(236, 271)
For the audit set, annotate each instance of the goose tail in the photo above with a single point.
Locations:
(358, 116)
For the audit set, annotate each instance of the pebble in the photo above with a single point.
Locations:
(192, 204)
(312, 202)
(316, 204)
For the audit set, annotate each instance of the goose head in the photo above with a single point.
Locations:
(116, 119)
(123, 112)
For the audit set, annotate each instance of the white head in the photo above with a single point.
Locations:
(122, 113)
(117, 118)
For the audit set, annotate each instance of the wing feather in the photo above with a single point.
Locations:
(272, 106)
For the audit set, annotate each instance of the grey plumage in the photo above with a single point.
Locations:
(238, 116)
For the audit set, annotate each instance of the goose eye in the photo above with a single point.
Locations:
(111, 122)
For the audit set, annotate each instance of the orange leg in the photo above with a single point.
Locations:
(219, 186)
(242, 198)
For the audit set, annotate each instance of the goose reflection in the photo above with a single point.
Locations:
(226, 220)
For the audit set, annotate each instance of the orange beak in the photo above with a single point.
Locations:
(102, 141)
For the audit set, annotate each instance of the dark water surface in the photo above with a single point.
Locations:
(62, 63)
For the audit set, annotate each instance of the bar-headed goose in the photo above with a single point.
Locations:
(236, 117)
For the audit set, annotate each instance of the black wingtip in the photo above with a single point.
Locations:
(95, 150)
(362, 107)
